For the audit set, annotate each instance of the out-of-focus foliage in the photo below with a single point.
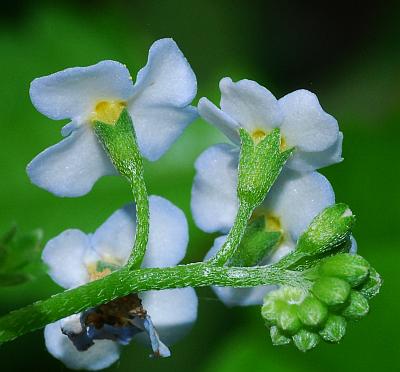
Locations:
(348, 55)
(20, 260)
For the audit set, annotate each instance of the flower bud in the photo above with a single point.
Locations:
(288, 320)
(353, 269)
(305, 340)
(326, 231)
(373, 284)
(334, 329)
(312, 312)
(277, 337)
(358, 306)
(332, 291)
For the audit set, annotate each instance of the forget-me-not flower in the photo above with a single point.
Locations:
(158, 102)
(91, 340)
(302, 121)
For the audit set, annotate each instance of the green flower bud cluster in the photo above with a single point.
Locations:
(341, 286)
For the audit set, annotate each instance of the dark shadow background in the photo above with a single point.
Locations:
(348, 54)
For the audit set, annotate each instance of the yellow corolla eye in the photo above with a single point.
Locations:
(108, 111)
(258, 135)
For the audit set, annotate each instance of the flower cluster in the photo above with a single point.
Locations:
(342, 285)
(111, 117)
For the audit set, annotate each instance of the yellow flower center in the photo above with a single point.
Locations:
(259, 134)
(272, 222)
(108, 111)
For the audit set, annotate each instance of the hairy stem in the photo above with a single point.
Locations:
(125, 281)
(235, 235)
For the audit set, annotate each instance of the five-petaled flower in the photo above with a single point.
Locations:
(294, 200)
(158, 102)
(301, 119)
(90, 340)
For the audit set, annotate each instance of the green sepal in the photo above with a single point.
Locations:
(256, 243)
(259, 165)
(358, 306)
(277, 337)
(372, 285)
(331, 291)
(312, 312)
(334, 328)
(306, 340)
(119, 141)
(353, 269)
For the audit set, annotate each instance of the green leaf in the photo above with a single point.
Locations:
(20, 257)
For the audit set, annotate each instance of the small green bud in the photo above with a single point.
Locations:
(277, 337)
(332, 291)
(373, 284)
(312, 312)
(256, 243)
(334, 329)
(326, 231)
(358, 306)
(287, 319)
(353, 269)
(269, 310)
(305, 340)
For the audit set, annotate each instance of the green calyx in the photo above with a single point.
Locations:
(259, 165)
(256, 243)
(340, 290)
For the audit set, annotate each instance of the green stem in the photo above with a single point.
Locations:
(235, 235)
(125, 281)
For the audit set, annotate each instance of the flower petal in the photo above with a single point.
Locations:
(310, 161)
(71, 167)
(214, 201)
(163, 90)
(167, 78)
(353, 248)
(173, 312)
(212, 114)
(250, 104)
(101, 355)
(73, 92)
(158, 127)
(65, 256)
(169, 234)
(113, 240)
(306, 125)
(296, 198)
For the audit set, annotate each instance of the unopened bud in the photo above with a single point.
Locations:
(331, 291)
(312, 312)
(353, 269)
(306, 340)
(334, 329)
(358, 306)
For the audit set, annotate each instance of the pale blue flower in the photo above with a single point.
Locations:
(75, 258)
(158, 102)
(299, 115)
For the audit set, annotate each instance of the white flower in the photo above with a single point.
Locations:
(301, 119)
(159, 104)
(294, 200)
(75, 258)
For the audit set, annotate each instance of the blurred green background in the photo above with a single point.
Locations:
(348, 54)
